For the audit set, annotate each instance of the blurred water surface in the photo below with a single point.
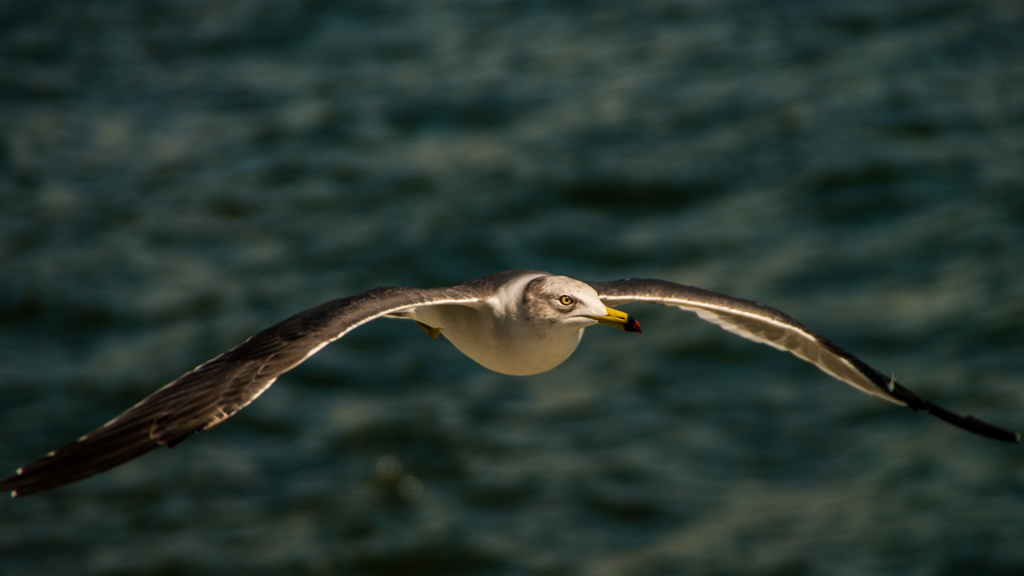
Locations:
(175, 176)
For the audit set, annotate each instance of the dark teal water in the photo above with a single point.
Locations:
(175, 176)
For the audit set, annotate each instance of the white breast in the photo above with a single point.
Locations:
(501, 342)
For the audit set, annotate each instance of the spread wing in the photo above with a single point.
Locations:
(214, 391)
(767, 325)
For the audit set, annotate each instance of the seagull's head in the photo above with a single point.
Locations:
(569, 303)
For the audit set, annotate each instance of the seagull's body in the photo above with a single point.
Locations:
(518, 322)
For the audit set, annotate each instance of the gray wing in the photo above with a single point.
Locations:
(214, 391)
(767, 325)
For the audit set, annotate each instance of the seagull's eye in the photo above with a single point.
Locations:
(566, 300)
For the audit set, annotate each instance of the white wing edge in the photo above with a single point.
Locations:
(812, 351)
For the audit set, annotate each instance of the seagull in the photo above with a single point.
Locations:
(517, 322)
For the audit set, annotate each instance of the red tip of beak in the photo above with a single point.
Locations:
(633, 326)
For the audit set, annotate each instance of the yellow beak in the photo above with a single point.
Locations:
(619, 320)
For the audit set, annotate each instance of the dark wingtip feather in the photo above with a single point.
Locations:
(972, 424)
(77, 461)
(968, 423)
